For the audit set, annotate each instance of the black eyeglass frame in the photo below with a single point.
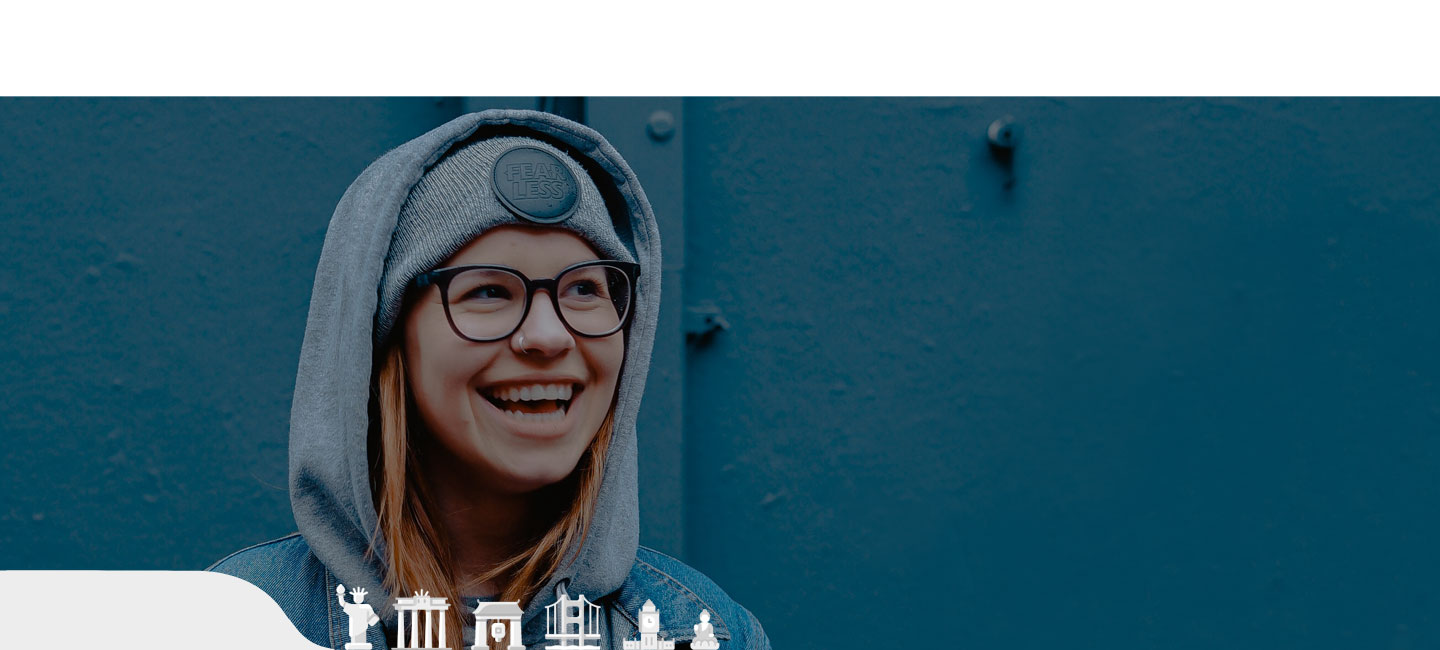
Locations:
(442, 278)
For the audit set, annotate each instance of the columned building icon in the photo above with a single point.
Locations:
(574, 622)
(434, 611)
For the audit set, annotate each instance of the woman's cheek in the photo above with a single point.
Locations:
(614, 358)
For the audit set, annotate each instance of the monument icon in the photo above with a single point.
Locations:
(649, 631)
(432, 608)
(505, 629)
(704, 634)
(362, 616)
(574, 622)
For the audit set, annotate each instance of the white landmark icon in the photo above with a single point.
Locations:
(649, 631)
(362, 616)
(505, 628)
(572, 622)
(704, 634)
(433, 608)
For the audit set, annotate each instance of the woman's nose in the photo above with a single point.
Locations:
(542, 332)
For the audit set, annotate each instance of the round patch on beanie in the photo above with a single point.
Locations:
(535, 185)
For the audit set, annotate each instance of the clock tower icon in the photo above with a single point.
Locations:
(649, 631)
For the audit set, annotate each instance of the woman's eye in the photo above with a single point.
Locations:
(584, 289)
(487, 292)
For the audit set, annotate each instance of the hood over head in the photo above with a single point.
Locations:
(356, 301)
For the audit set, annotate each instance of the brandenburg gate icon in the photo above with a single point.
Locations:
(433, 609)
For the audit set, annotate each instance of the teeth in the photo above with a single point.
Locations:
(553, 416)
(536, 392)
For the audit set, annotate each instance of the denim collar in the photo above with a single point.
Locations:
(679, 605)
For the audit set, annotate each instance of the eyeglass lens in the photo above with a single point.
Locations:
(489, 303)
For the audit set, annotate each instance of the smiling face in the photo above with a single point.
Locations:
(518, 412)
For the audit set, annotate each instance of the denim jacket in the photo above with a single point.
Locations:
(305, 590)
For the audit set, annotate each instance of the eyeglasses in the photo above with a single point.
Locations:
(487, 302)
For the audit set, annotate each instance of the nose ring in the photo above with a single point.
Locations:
(520, 340)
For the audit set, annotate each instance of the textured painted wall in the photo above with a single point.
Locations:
(157, 263)
(658, 161)
(1176, 387)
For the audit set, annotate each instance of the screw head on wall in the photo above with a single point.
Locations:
(1004, 133)
(660, 126)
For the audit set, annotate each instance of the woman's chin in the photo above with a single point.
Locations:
(519, 476)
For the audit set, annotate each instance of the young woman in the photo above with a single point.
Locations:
(464, 414)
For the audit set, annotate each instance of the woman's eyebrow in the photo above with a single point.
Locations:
(574, 262)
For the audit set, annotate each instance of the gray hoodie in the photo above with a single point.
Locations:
(329, 480)
(329, 477)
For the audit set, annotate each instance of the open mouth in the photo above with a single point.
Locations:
(533, 403)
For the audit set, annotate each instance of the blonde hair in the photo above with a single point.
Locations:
(417, 556)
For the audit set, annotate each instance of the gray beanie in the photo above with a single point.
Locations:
(489, 183)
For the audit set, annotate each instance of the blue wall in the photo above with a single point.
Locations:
(157, 264)
(1174, 388)
(1168, 382)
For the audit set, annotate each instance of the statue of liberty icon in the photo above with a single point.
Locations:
(705, 633)
(362, 616)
